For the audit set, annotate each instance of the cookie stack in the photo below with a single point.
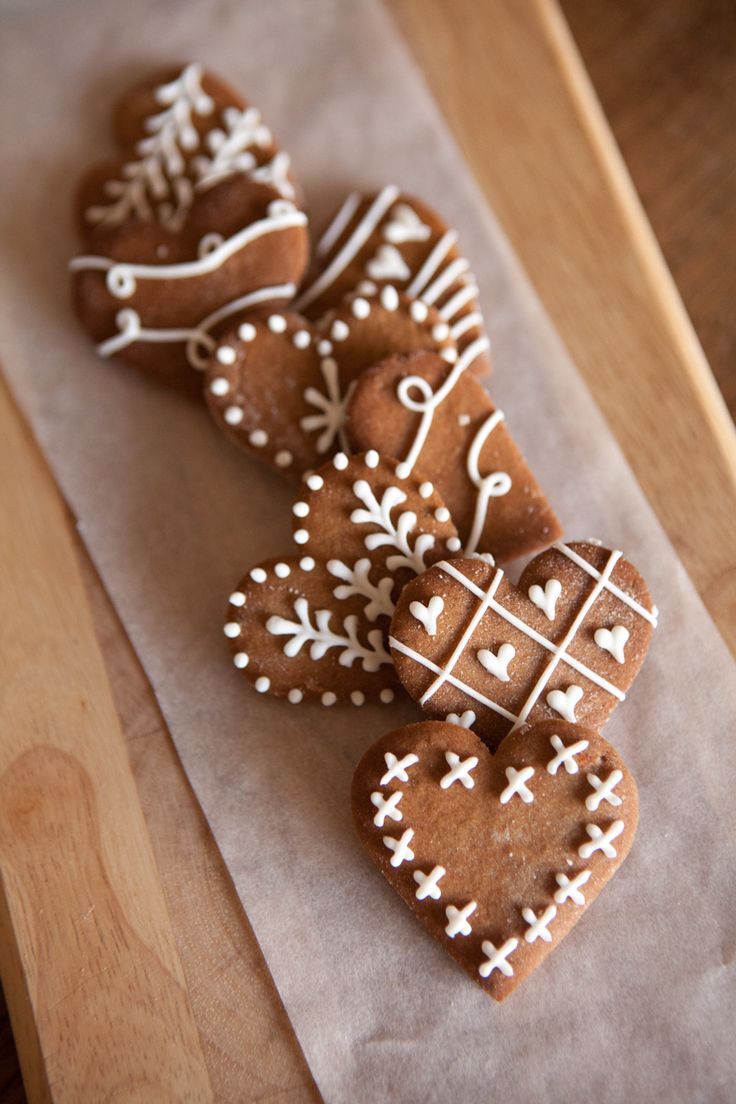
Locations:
(360, 380)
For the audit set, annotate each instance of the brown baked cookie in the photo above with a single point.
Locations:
(315, 625)
(277, 385)
(194, 223)
(567, 642)
(497, 856)
(423, 410)
(389, 237)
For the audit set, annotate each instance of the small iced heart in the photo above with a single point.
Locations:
(405, 225)
(428, 614)
(388, 264)
(464, 720)
(565, 701)
(497, 664)
(613, 641)
(546, 600)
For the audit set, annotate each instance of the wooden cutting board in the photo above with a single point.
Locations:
(164, 991)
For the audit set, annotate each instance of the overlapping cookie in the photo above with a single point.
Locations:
(194, 223)
(277, 384)
(566, 643)
(389, 237)
(425, 411)
(497, 856)
(315, 625)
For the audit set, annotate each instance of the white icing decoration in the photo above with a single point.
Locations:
(458, 919)
(331, 405)
(354, 243)
(570, 887)
(459, 771)
(233, 415)
(405, 225)
(566, 701)
(276, 323)
(301, 339)
(431, 264)
(263, 684)
(613, 640)
(241, 660)
(464, 720)
(328, 698)
(603, 788)
(539, 925)
(232, 629)
(357, 697)
(392, 535)
(546, 600)
(356, 581)
(397, 768)
(219, 386)
(459, 300)
(237, 598)
(497, 958)
(226, 354)
(122, 275)
(389, 298)
(295, 696)
(386, 807)
(600, 840)
(565, 756)
(386, 696)
(339, 330)
(648, 615)
(517, 780)
(400, 847)
(429, 614)
(321, 637)
(230, 152)
(428, 883)
(283, 458)
(493, 485)
(338, 224)
(387, 264)
(498, 664)
(360, 308)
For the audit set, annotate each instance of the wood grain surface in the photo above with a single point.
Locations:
(529, 110)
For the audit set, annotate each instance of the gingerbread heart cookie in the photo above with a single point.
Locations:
(194, 223)
(315, 625)
(567, 642)
(497, 856)
(392, 238)
(278, 384)
(423, 410)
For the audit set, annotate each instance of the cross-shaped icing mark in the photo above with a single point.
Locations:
(400, 847)
(397, 767)
(497, 958)
(427, 883)
(570, 887)
(600, 840)
(386, 808)
(539, 925)
(458, 919)
(565, 755)
(604, 788)
(459, 770)
(517, 785)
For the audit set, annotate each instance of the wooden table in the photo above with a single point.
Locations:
(517, 62)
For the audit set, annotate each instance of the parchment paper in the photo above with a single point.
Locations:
(638, 1004)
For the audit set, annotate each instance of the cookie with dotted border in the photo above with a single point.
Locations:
(277, 386)
(196, 221)
(565, 643)
(315, 625)
(497, 856)
(423, 410)
(389, 237)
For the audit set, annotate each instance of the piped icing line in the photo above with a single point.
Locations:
(355, 242)
(432, 263)
(468, 322)
(648, 615)
(493, 485)
(121, 276)
(338, 224)
(197, 338)
(459, 300)
(446, 279)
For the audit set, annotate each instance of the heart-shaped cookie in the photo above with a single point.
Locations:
(277, 385)
(390, 237)
(425, 411)
(315, 625)
(498, 856)
(194, 223)
(498, 653)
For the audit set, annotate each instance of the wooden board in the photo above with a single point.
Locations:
(515, 64)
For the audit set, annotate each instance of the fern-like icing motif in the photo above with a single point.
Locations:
(321, 638)
(394, 534)
(356, 581)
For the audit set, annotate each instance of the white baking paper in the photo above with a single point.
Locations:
(638, 1004)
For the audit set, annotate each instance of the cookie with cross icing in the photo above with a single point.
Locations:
(425, 411)
(314, 625)
(497, 856)
(277, 385)
(564, 644)
(389, 237)
(196, 221)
